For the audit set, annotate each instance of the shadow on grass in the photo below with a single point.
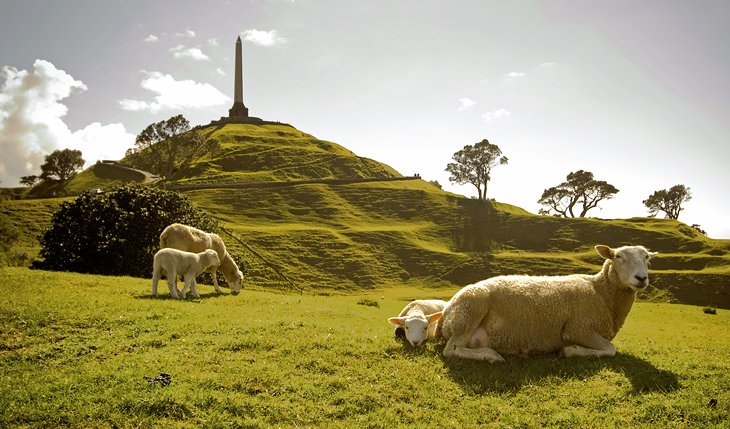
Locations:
(165, 295)
(511, 376)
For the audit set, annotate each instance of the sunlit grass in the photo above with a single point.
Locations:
(80, 351)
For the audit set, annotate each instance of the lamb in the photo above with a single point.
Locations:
(417, 321)
(172, 262)
(189, 239)
(576, 315)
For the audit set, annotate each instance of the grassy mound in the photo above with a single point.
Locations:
(247, 153)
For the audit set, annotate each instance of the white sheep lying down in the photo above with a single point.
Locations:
(576, 315)
(417, 321)
(189, 239)
(171, 262)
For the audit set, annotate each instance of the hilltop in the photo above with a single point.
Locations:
(311, 214)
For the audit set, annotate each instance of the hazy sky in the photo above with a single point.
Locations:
(636, 92)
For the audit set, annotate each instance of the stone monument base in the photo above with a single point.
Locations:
(245, 120)
(238, 110)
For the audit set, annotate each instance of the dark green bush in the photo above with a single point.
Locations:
(116, 233)
(369, 302)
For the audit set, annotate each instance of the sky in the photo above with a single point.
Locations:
(636, 92)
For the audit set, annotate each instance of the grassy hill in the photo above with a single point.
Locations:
(245, 153)
(310, 214)
(84, 351)
(102, 175)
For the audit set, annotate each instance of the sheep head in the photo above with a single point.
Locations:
(630, 263)
(211, 257)
(415, 326)
(236, 282)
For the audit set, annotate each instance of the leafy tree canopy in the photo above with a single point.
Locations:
(473, 164)
(28, 180)
(62, 164)
(668, 201)
(164, 144)
(579, 191)
(116, 233)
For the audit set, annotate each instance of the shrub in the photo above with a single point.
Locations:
(369, 302)
(116, 233)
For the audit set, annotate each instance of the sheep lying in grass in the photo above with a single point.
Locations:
(417, 321)
(577, 315)
(172, 262)
(189, 239)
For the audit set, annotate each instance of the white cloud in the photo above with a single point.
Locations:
(32, 126)
(496, 115)
(175, 95)
(465, 103)
(547, 65)
(188, 33)
(151, 38)
(512, 76)
(195, 54)
(97, 141)
(220, 71)
(213, 41)
(263, 38)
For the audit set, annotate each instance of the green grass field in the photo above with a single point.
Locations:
(78, 351)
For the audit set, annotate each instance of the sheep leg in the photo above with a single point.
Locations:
(214, 273)
(457, 347)
(155, 280)
(592, 345)
(194, 287)
(186, 286)
(172, 284)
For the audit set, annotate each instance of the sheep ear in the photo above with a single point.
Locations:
(432, 318)
(653, 254)
(397, 321)
(605, 251)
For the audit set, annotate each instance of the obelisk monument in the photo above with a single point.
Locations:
(239, 110)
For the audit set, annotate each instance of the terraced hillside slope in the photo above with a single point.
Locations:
(309, 214)
(327, 219)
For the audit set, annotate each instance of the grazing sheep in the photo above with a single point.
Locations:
(577, 315)
(417, 321)
(189, 239)
(172, 262)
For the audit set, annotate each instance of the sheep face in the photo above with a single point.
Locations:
(236, 282)
(415, 326)
(211, 257)
(631, 264)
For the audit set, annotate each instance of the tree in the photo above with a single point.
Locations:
(579, 190)
(62, 164)
(28, 180)
(474, 165)
(167, 142)
(115, 233)
(668, 201)
(699, 229)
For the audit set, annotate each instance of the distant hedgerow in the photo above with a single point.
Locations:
(116, 233)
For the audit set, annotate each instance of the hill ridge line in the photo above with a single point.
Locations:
(280, 184)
